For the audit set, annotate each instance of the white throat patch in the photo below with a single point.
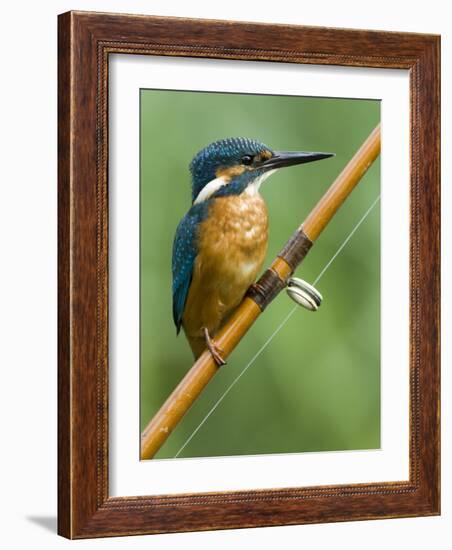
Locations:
(253, 187)
(212, 187)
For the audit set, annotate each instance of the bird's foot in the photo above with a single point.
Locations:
(215, 351)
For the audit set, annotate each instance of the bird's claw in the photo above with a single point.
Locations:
(215, 351)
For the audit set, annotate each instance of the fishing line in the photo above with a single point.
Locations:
(275, 332)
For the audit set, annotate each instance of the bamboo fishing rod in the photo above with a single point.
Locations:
(258, 297)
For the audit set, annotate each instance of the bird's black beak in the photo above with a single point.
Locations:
(291, 158)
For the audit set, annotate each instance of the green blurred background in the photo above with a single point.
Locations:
(316, 386)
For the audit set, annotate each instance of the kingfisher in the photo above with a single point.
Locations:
(221, 242)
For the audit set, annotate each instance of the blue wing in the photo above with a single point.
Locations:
(184, 254)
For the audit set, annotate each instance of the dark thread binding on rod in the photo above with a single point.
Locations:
(266, 288)
(296, 249)
(270, 284)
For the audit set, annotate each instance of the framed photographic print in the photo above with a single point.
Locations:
(248, 275)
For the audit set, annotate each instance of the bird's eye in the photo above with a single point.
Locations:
(247, 160)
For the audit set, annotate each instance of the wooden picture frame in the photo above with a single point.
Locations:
(85, 42)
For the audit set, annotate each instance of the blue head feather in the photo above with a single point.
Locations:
(221, 154)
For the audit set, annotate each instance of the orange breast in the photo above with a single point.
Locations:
(232, 244)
